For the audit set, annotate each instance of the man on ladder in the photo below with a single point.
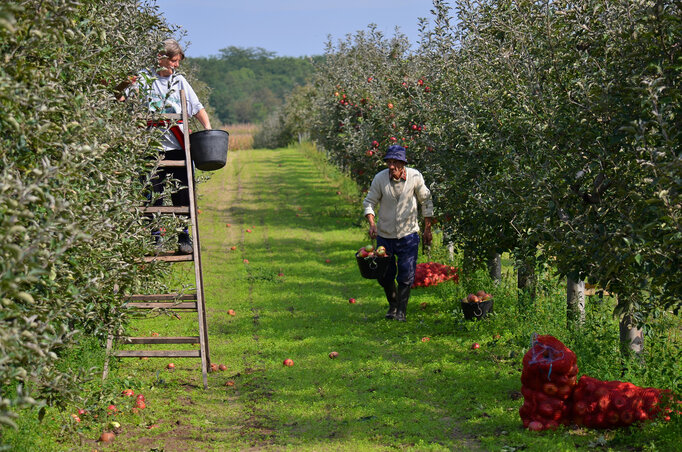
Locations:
(160, 89)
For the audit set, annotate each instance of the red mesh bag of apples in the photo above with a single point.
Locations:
(548, 378)
(432, 273)
(609, 404)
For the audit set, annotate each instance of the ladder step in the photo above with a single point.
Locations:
(187, 305)
(158, 353)
(169, 257)
(159, 340)
(171, 116)
(168, 163)
(180, 210)
(162, 297)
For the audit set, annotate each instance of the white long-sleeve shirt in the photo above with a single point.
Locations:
(398, 212)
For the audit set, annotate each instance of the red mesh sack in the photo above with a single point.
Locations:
(548, 378)
(609, 404)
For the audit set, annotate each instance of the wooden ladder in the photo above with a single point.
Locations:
(172, 301)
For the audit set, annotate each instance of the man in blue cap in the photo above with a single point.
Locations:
(398, 189)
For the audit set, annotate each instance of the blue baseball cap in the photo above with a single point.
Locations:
(396, 152)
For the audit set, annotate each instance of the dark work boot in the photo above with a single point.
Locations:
(184, 243)
(391, 295)
(402, 298)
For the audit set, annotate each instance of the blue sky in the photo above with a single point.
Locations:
(286, 27)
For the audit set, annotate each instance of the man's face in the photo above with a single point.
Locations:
(395, 167)
(169, 65)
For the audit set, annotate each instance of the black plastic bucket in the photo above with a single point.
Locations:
(209, 149)
(373, 267)
(476, 311)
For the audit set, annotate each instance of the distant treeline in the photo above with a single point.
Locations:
(249, 83)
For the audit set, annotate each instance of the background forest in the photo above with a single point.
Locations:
(249, 83)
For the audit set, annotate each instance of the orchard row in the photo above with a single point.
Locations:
(547, 130)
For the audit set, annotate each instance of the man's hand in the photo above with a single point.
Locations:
(372, 226)
(427, 236)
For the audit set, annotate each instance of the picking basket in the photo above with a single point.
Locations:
(476, 311)
(373, 267)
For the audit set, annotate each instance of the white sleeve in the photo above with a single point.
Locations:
(194, 106)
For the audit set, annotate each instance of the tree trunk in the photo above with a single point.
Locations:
(575, 303)
(631, 336)
(525, 267)
(495, 267)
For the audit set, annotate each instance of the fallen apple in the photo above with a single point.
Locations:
(113, 425)
(326, 261)
(231, 312)
(170, 366)
(233, 248)
(76, 418)
(140, 404)
(229, 383)
(280, 274)
(475, 346)
(351, 300)
(140, 397)
(82, 412)
(214, 368)
(333, 355)
(106, 437)
(111, 409)
(128, 393)
(288, 362)
(228, 225)
(222, 367)
(246, 261)
(248, 230)
(423, 305)
(426, 339)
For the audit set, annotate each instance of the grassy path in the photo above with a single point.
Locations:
(385, 389)
(412, 386)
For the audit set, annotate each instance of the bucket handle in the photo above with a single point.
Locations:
(480, 311)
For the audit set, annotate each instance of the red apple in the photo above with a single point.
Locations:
(333, 355)
(229, 383)
(480, 293)
(82, 412)
(246, 261)
(231, 312)
(288, 362)
(426, 339)
(140, 404)
(222, 367)
(475, 346)
(380, 251)
(326, 261)
(214, 367)
(233, 248)
(111, 409)
(248, 230)
(75, 418)
(228, 225)
(280, 274)
(351, 300)
(128, 393)
(170, 366)
(390, 105)
(106, 437)
(473, 298)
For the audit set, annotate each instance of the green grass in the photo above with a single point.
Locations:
(387, 389)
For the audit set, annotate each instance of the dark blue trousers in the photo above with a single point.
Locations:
(405, 251)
